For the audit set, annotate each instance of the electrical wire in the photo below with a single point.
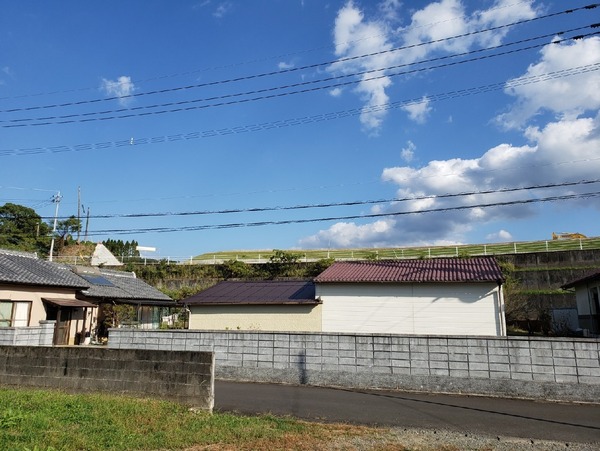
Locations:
(341, 218)
(339, 204)
(89, 116)
(283, 71)
(520, 81)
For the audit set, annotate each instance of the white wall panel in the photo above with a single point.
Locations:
(427, 309)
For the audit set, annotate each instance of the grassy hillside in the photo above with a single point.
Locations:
(261, 256)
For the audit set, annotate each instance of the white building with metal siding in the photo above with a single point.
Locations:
(416, 297)
(415, 309)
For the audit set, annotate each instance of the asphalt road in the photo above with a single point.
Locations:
(468, 414)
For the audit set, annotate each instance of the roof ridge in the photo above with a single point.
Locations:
(19, 253)
(127, 274)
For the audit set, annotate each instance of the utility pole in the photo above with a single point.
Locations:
(56, 200)
(87, 223)
(78, 211)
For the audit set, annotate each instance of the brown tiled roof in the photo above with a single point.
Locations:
(263, 292)
(476, 269)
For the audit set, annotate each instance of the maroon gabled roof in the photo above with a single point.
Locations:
(476, 269)
(273, 292)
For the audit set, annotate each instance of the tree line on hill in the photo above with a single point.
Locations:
(22, 229)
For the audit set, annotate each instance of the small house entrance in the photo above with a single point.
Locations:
(63, 326)
(71, 319)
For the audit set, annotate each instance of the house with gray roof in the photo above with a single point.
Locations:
(444, 296)
(33, 290)
(108, 289)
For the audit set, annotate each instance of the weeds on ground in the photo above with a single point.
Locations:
(43, 420)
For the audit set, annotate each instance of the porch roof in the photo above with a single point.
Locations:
(65, 302)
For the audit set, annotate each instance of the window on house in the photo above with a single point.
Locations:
(14, 313)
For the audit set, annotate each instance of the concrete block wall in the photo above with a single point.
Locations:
(41, 335)
(545, 368)
(186, 377)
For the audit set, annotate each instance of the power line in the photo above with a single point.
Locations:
(311, 66)
(342, 204)
(304, 120)
(89, 116)
(340, 218)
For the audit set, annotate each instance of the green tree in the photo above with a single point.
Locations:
(283, 264)
(235, 269)
(66, 228)
(126, 250)
(319, 266)
(21, 228)
(372, 256)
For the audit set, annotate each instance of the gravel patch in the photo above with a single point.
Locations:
(429, 440)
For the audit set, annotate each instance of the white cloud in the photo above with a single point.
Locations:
(501, 235)
(223, 9)
(201, 4)
(507, 11)
(390, 9)
(347, 234)
(121, 88)
(355, 34)
(562, 151)
(437, 22)
(283, 65)
(418, 111)
(408, 153)
(7, 71)
(566, 96)
(336, 92)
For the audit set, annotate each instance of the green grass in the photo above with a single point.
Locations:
(43, 420)
(415, 252)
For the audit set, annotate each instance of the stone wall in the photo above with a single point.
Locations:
(185, 376)
(541, 368)
(41, 335)
(573, 258)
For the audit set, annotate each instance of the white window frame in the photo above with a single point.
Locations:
(17, 319)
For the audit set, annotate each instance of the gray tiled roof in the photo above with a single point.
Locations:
(435, 270)
(257, 293)
(125, 286)
(26, 269)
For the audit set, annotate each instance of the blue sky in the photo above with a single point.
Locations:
(299, 103)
